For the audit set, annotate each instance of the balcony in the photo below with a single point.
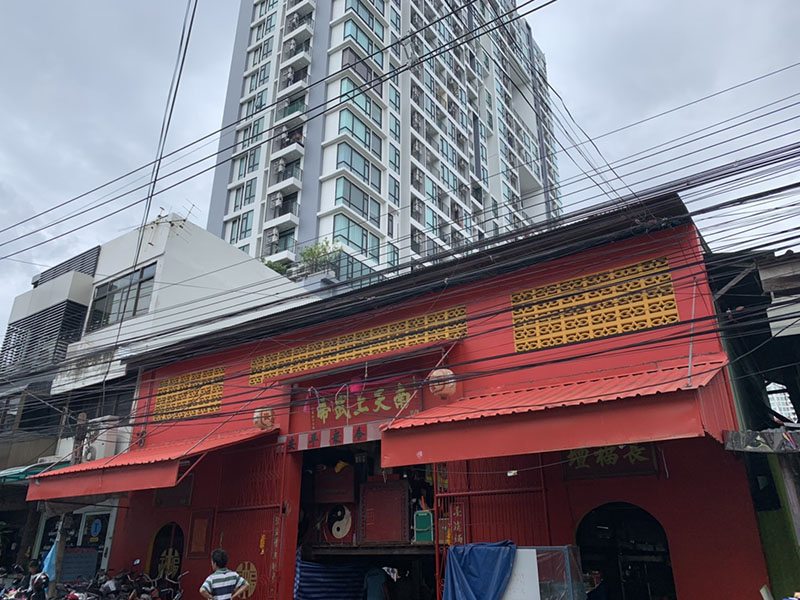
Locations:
(289, 145)
(284, 213)
(299, 28)
(300, 7)
(296, 56)
(292, 81)
(279, 248)
(285, 180)
(293, 112)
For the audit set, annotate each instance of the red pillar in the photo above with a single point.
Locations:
(293, 474)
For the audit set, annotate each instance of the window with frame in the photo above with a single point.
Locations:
(392, 255)
(356, 64)
(266, 51)
(125, 297)
(348, 92)
(395, 20)
(350, 233)
(246, 228)
(394, 128)
(358, 7)
(351, 124)
(249, 192)
(354, 32)
(390, 225)
(233, 231)
(354, 198)
(394, 159)
(270, 23)
(394, 98)
(355, 162)
(394, 191)
(253, 159)
(237, 195)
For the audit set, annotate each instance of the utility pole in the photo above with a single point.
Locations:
(65, 523)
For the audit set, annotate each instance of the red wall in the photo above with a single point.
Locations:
(703, 504)
(489, 335)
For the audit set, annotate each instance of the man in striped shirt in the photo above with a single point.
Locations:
(222, 584)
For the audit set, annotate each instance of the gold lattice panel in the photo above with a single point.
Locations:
(449, 324)
(631, 298)
(190, 395)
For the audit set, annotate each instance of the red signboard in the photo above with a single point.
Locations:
(359, 403)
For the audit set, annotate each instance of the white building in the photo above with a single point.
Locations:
(388, 157)
(71, 338)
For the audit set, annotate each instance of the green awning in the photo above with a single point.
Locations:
(20, 474)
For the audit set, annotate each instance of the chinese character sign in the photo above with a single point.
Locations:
(347, 407)
(610, 461)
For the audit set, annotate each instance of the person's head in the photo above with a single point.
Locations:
(34, 566)
(219, 558)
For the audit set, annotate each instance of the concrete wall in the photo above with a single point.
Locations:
(70, 286)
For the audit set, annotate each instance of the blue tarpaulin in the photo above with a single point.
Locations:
(313, 581)
(478, 571)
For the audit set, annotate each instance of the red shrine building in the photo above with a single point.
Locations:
(568, 387)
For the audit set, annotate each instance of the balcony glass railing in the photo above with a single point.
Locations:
(290, 171)
(294, 107)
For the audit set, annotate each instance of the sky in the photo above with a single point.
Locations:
(83, 86)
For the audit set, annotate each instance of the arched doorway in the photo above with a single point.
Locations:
(629, 547)
(167, 554)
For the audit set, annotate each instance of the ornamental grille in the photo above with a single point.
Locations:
(449, 324)
(189, 395)
(631, 298)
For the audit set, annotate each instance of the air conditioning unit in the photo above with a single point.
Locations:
(281, 166)
(272, 235)
(276, 200)
(101, 438)
(46, 460)
(291, 45)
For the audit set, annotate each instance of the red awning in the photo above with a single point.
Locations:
(662, 402)
(145, 468)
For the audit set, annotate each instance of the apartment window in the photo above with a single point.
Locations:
(263, 74)
(351, 124)
(392, 255)
(122, 298)
(390, 225)
(267, 47)
(270, 23)
(255, 56)
(394, 128)
(350, 233)
(394, 98)
(353, 197)
(395, 18)
(272, 4)
(394, 191)
(395, 45)
(394, 159)
(285, 241)
(253, 159)
(355, 62)
(353, 31)
(367, 106)
(346, 156)
(249, 192)
(237, 194)
(358, 7)
(253, 82)
(258, 127)
(242, 167)
(245, 248)
(233, 234)
(246, 228)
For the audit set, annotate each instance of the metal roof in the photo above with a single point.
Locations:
(658, 379)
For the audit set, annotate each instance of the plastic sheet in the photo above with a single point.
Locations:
(560, 575)
(478, 571)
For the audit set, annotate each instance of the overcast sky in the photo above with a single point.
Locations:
(83, 85)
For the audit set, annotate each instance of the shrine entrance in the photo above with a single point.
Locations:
(167, 553)
(628, 547)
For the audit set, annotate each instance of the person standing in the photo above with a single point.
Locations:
(37, 588)
(223, 584)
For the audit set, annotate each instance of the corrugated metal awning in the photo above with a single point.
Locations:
(661, 402)
(139, 469)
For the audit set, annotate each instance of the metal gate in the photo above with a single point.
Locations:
(489, 500)
(249, 521)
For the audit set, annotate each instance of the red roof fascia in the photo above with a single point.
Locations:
(656, 379)
(150, 467)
